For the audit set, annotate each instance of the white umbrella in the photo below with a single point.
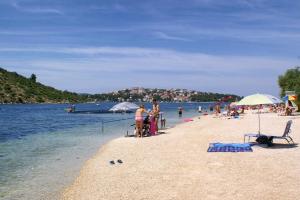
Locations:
(258, 99)
(124, 106)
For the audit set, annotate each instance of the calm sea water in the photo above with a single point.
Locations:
(42, 148)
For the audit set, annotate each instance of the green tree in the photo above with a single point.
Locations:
(33, 77)
(290, 81)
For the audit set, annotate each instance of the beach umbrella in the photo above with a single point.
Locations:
(258, 99)
(124, 106)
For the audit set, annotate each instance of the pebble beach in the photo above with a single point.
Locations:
(176, 164)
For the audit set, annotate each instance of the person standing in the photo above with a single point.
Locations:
(139, 120)
(180, 110)
(217, 109)
(73, 108)
(155, 110)
(162, 121)
(200, 109)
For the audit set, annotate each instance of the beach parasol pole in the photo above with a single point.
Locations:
(259, 99)
(259, 121)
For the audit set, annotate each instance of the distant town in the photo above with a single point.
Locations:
(141, 94)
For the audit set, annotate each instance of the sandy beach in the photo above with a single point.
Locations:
(176, 165)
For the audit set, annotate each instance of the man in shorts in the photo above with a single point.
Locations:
(156, 110)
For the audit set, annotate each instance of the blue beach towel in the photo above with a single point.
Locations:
(229, 147)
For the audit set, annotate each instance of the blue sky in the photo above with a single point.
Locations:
(236, 46)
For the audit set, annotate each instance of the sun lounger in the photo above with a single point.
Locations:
(285, 135)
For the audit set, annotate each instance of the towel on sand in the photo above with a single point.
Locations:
(229, 147)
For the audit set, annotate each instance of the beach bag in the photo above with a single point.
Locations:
(263, 139)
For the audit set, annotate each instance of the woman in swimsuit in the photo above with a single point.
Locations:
(139, 120)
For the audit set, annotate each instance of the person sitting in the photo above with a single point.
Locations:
(146, 126)
(234, 112)
(288, 111)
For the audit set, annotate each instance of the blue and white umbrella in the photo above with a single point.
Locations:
(124, 106)
(259, 99)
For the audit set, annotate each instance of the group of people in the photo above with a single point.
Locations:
(282, 109)
(234, 111)
(150, 122)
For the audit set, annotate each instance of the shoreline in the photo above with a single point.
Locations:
(103, 147)
(54, 159)
(178, 162)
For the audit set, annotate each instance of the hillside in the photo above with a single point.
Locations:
(15, 88)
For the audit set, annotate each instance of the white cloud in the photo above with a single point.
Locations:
(131, 58)
(164, 36)
(35, 9)
(95, 69)
(269, 34)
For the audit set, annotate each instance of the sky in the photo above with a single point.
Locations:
(95, 46)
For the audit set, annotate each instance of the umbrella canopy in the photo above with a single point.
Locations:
(257, 99)
(124, 106)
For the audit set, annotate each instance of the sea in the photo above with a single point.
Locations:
(43, 147)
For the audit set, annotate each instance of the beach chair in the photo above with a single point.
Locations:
(285, 135)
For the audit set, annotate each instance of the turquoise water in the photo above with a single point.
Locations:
(42, 148)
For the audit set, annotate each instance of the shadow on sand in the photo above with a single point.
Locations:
(277, 146)
(157, 134)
